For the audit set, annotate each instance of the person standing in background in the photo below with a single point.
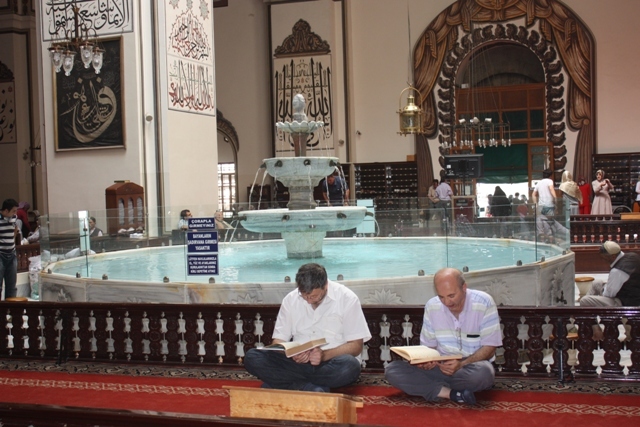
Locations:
(23, 215)
(601, 189)
(584, 208)
(544, 194)
(433, 198)
(8, 258)
(444, 193)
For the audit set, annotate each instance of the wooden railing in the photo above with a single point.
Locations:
(593, 229)
(537, 341)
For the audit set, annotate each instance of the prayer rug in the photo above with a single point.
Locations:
(194, 390)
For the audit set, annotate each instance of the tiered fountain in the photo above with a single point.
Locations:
(303, 224)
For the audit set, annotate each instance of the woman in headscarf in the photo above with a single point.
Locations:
(23, 215)
(500, 204)
(601, 189)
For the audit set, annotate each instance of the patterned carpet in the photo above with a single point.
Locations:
(588, 386)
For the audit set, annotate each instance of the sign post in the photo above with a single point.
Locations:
(202, 247)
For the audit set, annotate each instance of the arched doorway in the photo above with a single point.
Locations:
(551, 31)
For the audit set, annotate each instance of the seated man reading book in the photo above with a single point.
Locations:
(318, 308)
(467, 325)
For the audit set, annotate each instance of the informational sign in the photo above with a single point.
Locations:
(202, 264)
(208, 223)
(202, 247)
(202, 241)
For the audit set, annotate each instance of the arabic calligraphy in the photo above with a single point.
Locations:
(93, 113)
(311, 78)
(190, 59)
(189, 39)
(89, 105)
(104, 16)
(191, 86)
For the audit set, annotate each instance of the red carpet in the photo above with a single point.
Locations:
(382, 405)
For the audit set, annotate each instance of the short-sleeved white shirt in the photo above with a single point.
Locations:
(338, 319)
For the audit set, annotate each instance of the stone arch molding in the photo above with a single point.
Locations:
(551, 30)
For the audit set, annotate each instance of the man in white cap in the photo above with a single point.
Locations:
(623, 286)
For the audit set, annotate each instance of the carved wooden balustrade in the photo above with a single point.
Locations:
(537, 341)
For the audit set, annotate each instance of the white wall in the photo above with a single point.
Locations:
(616, 30)
(76, 180)
(243, 93)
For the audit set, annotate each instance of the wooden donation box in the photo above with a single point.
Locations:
(125, 208)
(292, 405)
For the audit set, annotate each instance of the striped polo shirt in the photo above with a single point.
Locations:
(477, 325)
(7, 238)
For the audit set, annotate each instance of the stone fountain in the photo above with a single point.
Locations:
(303, 224)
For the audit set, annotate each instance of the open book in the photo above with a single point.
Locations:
(292, 348)
(416, 354)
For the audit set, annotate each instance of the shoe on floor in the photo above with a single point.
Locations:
(316, 388)
(463, 396)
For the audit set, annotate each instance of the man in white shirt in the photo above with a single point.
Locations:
(318, 308)
(444, 193)
(544, 194)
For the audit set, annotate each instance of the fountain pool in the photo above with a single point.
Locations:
(379, 270)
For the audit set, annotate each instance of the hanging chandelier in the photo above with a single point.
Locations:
(63, 50)
(411, 115)
(480, 133)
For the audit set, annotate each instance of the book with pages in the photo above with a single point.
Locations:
(417, 354)
(292, 348)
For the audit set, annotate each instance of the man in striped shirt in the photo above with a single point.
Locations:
(458, 321)
(8, 258)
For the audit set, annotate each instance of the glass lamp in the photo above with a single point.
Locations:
(411, 115)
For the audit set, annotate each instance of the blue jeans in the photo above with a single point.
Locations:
(547, 210)
(278, 371)
(428, 382)
(9, 272)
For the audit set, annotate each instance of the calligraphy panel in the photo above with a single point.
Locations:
(190, 59)
(312, 77)
(105, 17)
(7, 113)
(88, 106)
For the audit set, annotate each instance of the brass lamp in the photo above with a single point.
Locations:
(411, 116)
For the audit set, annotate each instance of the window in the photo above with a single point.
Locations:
(227, 196)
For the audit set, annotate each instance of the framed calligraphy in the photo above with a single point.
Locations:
(105, 18)
(190, 59)
(88, 107)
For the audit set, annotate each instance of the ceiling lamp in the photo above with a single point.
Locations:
(411, 115)
(479, 133)
(76, 41)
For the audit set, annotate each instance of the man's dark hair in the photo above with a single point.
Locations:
(9, 204)
(547, 173)
(311, 276)
(183, 213)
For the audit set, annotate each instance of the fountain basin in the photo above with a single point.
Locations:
(304, 230)
(300, 171)
(378, 270)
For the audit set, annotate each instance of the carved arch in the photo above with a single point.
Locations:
(561, 33)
